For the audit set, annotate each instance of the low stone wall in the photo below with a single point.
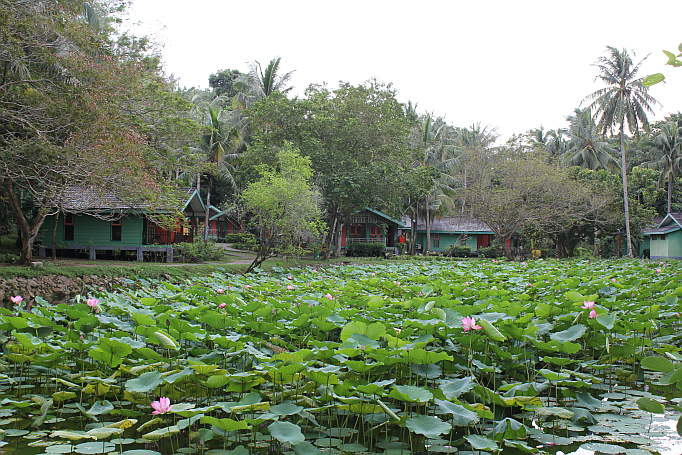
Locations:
(53, 288)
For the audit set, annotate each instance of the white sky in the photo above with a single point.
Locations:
(514, 65)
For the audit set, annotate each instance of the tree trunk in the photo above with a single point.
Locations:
(625, 190)
(29, 233)
(427, 247)
(330, 235)
(337, 248)
(413, 232)
(208, 204)
(54, 236)
(506, 250)
(595, 252)
(670, 193)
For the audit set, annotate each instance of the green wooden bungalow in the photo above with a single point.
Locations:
(371, 226)
(97, 222)
(451, 230)
(665, 240)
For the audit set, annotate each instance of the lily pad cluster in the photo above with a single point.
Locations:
(444, 357)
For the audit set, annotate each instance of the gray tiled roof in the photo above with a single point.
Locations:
(451, 224)
(78, 198)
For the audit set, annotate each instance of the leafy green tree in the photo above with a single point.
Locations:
(623, 99)
(512, 193)
(668, 143)
(356, 138)
(588, 148)
(286, 208)
(222, 83)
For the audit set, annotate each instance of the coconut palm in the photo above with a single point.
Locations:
(259, 83)
(624, 99)
(435, 150)
(588, 148)
(668, 143)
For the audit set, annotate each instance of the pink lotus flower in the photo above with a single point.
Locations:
(470, 323)
(290, 277)
(221, 290)
(101, 288)
(162, 406)
(658, 270)
(587, 305)
(613, 280)
(290, 287)
(374, 274)
(248, 286)
(362, 347)
(593, 314)
(222, 305)
(16, 299)
(329, 296)
(92, 303)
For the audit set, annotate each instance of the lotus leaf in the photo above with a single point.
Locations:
(481, 443)
(145, 383)
(410, 393)
(286, 432)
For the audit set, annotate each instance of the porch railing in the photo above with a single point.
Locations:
(371, 239)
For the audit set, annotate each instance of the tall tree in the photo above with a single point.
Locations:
(68, 112)
(286, 208)
(623, 99)
(434, 150)
(668, 143)
(356, 137)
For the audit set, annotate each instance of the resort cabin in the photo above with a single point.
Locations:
(94, 221)
(451, 231)
(665, 240)
(371, 226)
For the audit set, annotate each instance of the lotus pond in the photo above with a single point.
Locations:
(442, 357)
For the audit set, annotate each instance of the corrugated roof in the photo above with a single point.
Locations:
(455, 224)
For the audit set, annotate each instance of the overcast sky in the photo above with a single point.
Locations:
(514, 65)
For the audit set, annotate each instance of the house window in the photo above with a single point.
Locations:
(356, 230)
(116, 230)
(68, 226)
(436, 240)
(662, 237)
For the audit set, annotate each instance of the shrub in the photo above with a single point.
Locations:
(9, 258)
(241, 237)
(492, 251)
(458, 251)
(245, 246)
(361, 249)
(197, 251)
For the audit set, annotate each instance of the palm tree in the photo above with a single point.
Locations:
(220, 144)
(436, 151)
(668, 143)
(624, 99)
(259, 83)
(587, 148)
